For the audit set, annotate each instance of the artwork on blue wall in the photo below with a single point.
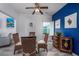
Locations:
(10, 22)
(57, 24)
(69, 9)
(71, 21)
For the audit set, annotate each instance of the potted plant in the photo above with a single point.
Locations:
(59, 34)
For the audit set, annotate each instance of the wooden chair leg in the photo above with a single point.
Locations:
(46, 49)
(38, 50)
(14, 51)
(23, 54)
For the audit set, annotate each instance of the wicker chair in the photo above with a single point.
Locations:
(43, 43)
(17, 43)
(29, 46)
(31, 33)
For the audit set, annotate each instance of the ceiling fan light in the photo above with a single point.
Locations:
(36, 10)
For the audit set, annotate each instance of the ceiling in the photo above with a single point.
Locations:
(52, 7)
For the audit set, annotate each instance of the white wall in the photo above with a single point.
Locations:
(4, 30)
(5, 7)
(39, 19)
(7, 10)
(24, 20)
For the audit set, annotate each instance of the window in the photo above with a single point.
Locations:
(48, 28)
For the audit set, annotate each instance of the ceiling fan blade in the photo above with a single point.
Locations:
(41, 12)
(30, 8)
(44, 7)
(33, 12)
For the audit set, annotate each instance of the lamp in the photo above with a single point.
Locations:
(36, 10)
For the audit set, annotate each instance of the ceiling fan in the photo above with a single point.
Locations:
(37, 8)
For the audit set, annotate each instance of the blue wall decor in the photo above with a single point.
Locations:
(10, 22)
(69, 9)
(70, 21)
(57, 24)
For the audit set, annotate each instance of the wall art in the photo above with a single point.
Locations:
(57, 24)
(10, 22)
(71, 21)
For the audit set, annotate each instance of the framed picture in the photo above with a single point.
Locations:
(10, 22)
(71, 21)
(31, 24)
(57, 24)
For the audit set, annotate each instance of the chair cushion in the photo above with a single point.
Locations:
(19, 43)
(41, 41)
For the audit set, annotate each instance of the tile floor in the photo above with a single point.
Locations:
(8, 51)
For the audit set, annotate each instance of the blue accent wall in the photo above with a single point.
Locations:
(68, 9)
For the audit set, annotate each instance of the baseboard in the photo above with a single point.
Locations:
(5, 45)
(74, 54)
